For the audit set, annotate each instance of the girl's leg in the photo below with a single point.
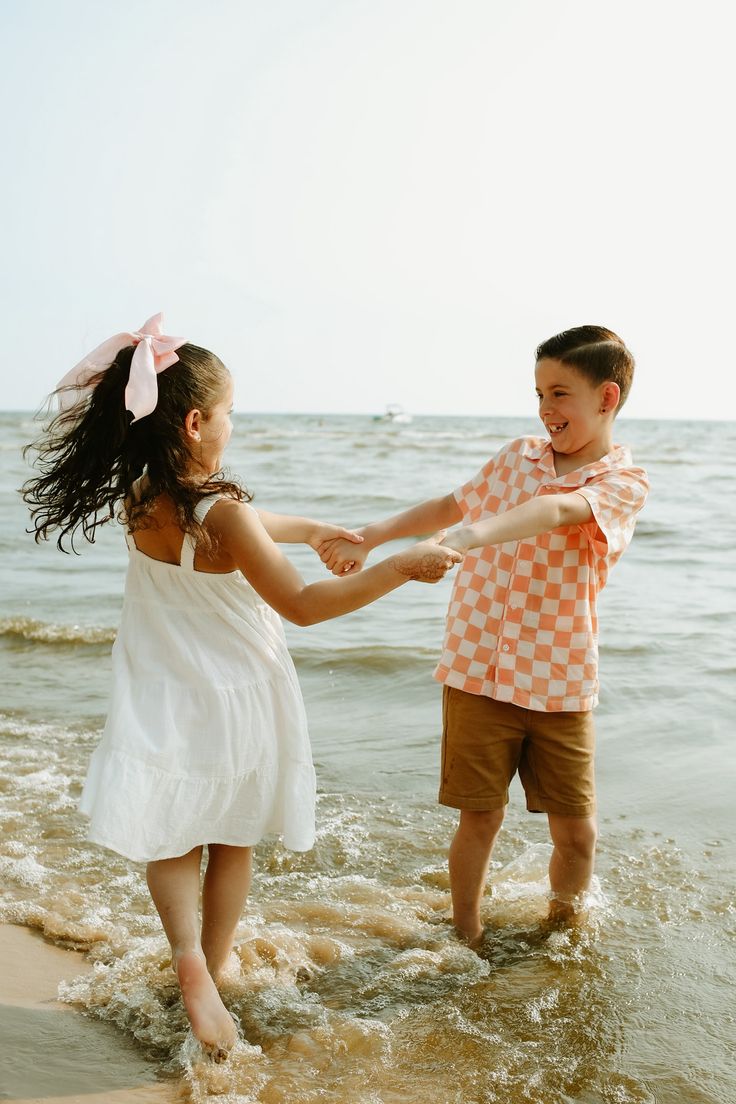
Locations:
(174, 886)
(226, 886)
(572, 862)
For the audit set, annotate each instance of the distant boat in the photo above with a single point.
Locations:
(394, 414)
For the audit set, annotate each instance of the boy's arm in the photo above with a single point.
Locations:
(342, 558)
(291, 529)
(538, 515)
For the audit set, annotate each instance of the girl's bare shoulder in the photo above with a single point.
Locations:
(232, 509)
(229, 516)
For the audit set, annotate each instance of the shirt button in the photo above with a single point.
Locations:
(505, 647)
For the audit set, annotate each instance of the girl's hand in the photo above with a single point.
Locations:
(325, 535)
(426, 562)
(342, 557)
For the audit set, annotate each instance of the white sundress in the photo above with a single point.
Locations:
(206, 739)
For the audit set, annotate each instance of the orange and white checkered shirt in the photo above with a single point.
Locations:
(522, 624)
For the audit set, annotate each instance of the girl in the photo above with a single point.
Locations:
(206, 739)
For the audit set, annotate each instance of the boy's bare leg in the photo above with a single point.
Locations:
(470, 854)
(174, 886)
(226, 886)
(572, 862)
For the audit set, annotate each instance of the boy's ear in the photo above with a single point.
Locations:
(610, 395)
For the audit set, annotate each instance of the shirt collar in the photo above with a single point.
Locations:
(539, 449)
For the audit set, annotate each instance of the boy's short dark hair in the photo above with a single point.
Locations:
(597, 353)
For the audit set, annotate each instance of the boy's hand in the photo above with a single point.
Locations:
(427, 562)
(324, 535)
(457, 540)
(342, 557)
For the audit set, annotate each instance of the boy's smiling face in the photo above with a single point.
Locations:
(577, 413)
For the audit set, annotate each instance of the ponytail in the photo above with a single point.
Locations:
(90, 454)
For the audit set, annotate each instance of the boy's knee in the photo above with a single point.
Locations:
(576, 835)
(482, 822)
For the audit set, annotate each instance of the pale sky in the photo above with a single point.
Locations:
(357, 202)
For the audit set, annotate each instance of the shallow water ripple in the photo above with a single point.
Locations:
(348, 986)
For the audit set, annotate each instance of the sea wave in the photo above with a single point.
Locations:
(650, 529)
(18, 729)
(378, 659)
(42, 632)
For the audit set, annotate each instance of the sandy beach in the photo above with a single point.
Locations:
(51, 1053)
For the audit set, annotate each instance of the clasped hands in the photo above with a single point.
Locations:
(345, 552)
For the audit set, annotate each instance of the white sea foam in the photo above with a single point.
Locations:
(350, 986)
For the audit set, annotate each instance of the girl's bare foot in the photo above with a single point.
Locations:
(211, 1022)
(227, 972)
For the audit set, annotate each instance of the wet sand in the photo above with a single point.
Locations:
(51, 1053)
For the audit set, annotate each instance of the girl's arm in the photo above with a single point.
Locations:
(536, 516)
(243, 537)
(427, 517)
(290, 529)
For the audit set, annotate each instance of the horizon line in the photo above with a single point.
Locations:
(416, 414)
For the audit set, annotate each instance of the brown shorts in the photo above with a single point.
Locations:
(485, 742)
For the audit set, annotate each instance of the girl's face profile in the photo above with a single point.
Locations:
(216, 430)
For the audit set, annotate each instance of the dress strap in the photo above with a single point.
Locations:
(188, 547)
(133, 493)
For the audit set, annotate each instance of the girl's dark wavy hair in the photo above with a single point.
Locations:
(90, 454)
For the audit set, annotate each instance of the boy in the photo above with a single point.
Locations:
(542, 524)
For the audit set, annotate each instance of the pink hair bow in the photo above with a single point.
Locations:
(154, 352)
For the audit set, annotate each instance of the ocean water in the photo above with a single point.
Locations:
(350, 987)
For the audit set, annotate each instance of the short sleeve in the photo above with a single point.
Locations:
(471, 496)
(615, 498)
